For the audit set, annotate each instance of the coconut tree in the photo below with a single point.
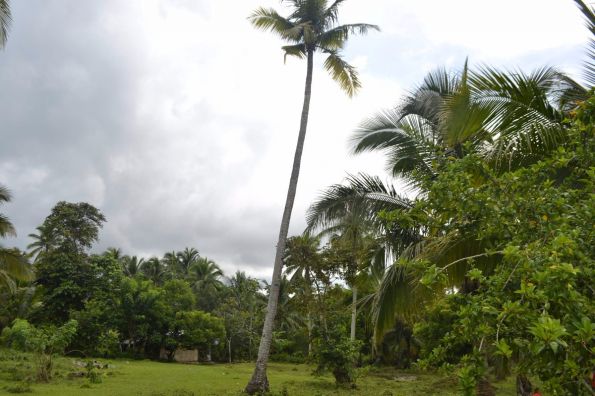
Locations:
(312, 26)
(131, 265)
(205, 274)
(154, 270)
(186, 258)
(42, 243)
(301, 260)
(350, 211)
(5, 20)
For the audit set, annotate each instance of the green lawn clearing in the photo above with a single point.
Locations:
(130, 377)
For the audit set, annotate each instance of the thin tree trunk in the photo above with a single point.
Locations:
(229, 348)
(259, 381)
(309, 310)
(353, 311)
(309, 325)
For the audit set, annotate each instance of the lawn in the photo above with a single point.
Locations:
(130, 377)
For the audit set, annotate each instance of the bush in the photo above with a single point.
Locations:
(44, 342)
(338, 354)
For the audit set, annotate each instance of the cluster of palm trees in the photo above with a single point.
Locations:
(511, 119)
(201, 272)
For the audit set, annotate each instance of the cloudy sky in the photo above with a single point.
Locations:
(178, 120)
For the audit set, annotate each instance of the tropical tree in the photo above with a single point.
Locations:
(43, 243)
(170, 260)
(186, 258)
(5, 20)
(154, 270)
(241, 310)
(114, 253)
(312, 26)
(205, 274)
(302, 259)
(131, 265)
(205, 277)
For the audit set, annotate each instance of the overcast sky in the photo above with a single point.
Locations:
(178, 120)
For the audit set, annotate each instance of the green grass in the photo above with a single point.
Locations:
(129, 377)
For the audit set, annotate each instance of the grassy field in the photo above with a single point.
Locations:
(129, 377)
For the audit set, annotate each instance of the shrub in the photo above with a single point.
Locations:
(44, 342)
(338, 354)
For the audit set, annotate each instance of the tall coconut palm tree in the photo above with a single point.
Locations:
(312, 26)
(5, 20)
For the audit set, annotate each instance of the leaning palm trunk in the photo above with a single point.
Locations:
(259, 381)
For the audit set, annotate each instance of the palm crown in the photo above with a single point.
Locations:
(313, 26)
(510, 118)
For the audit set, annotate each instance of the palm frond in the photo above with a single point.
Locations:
(297, 50)
(409, 143)
(342, 72)
(397, 296)
(6, 227)
(332, 12)
(524, 121)
(335, 38)
(589, 65)
(269, 20)
(363, 193)
(5, 21)
(5, 195)
(588, 14)
(7, 281)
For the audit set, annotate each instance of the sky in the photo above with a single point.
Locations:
(178, 120)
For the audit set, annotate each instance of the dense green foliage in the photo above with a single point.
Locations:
(532, 303)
